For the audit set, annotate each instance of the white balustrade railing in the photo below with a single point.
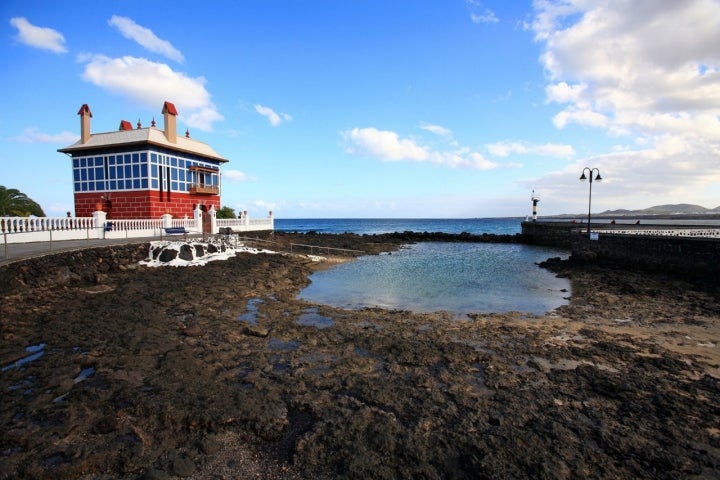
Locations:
(245, 223)
(135, 224)
(43, 229)
(693, 232)
(37, 224)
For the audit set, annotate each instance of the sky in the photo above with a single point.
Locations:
(378, 108)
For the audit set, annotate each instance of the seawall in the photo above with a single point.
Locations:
(687, 256)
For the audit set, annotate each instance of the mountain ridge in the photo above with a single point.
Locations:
(668, 209)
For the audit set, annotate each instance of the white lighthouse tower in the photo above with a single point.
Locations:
(535, 199)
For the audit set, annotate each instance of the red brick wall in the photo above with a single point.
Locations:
(142, 204)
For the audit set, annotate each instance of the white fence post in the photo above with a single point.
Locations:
(99, 218)
(166, 220)
(197, 213)
(213, 219)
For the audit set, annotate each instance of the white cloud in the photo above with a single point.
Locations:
(480, 14)
(146, 38)
(436, 129)
(462, 158)
(383, 144)
(235, 176)
(648, 70)
(387, 145)
(666, 172)
(275, 119)
(504, 149)
(34, 135)
(38, 37)
(151, 84)
(586, 117)
(616, 65)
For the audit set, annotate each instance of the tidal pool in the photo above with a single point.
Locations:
(460, 278)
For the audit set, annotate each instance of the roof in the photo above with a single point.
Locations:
(140, 136)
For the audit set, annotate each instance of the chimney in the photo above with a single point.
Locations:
(125, 125)
(85, 116)
(169, 114)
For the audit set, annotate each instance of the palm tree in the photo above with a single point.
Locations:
(14, 203)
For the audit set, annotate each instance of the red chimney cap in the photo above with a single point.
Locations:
(125, 125)
(84, 110)
(169, 108)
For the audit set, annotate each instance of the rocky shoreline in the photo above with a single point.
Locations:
(218, 371)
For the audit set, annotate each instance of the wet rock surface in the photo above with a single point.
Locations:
(206, 372)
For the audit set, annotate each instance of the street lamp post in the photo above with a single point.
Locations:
(590, 178)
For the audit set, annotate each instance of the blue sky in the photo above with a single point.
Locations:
(377, 108)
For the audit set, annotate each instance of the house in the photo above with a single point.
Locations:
(141, 173)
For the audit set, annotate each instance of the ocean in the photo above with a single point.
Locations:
(459, 278)
(372, 226)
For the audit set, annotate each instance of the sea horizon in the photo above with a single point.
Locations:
(370, 226)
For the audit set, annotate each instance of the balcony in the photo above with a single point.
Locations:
(203, 189)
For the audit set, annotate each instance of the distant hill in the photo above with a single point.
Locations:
(676, 209)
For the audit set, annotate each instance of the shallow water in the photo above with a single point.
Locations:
(460, 278)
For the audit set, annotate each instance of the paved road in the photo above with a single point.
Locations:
(13, 252)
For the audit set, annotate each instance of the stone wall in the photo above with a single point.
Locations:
(88, 266)
(552, 234)
(687, 256)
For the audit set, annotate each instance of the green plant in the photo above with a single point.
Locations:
(14, 203)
